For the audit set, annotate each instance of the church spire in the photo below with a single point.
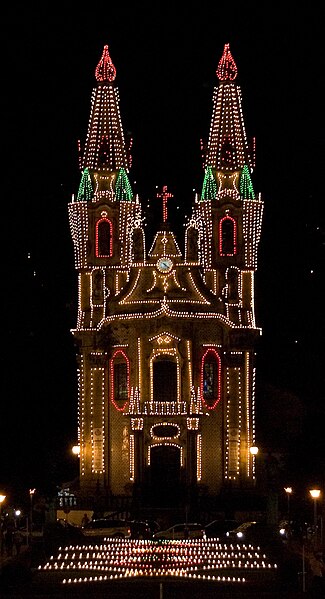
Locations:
(227, 145)
(105, 149)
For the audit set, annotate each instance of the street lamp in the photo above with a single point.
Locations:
(315, 494)
(17, 514)
(2, 498)
(253, 450)
(76, 450)
(31, 494)
(288, 491)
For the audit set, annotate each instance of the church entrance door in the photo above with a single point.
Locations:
(165, 475)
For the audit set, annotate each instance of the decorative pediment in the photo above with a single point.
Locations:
(164, 340)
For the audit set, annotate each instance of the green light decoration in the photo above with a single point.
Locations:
(245, 185)
(123, 189)
(209, 187)
(85, 191)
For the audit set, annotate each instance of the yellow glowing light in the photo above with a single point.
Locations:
(315, 493)
(253, 450)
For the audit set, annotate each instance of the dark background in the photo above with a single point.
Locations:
(166, 64)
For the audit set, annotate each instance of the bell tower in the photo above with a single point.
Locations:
(107, 234)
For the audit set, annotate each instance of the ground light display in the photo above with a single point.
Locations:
(189, 559)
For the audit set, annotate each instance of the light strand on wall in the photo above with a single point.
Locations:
(83, 457)
(166, 444)
(253, 422)
(189, 361)
(97, 420)
(139, 363)
(233, 423)
(199, 457)
(248, 414)
(132, 473)
(192, 424)
(167, 425)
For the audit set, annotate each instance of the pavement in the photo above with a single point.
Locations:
(7, 559)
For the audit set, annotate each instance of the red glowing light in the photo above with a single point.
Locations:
(227, 69)
(105, 70)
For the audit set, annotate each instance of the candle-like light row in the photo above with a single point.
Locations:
(193, 558)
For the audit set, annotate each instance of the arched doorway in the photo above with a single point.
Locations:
(165, 475)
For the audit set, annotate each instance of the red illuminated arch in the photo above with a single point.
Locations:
(119, 379)
(211, 378)
(104, 238)
(227, 236)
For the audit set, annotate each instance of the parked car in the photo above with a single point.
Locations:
(189, 530)
(60, 533)
(140, 529)
(285, 529)
(254, 532)
(153, 525)
(296, 529)
(219, 528)
(107, 527)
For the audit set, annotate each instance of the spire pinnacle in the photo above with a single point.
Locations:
(105, 70)
(227, 69)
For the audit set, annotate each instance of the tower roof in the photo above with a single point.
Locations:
(227, 145)
(105, 148)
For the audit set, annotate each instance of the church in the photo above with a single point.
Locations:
(166, 341)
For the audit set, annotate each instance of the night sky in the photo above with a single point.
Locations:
(166, 66)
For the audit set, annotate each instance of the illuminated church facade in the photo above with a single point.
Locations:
(166, 342)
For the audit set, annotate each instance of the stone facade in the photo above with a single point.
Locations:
(166, 342)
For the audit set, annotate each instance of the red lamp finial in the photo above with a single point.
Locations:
(227, 69)
(105, 70)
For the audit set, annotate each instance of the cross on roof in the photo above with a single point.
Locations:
(165, 195)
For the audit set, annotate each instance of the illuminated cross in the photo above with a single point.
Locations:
(165, 195)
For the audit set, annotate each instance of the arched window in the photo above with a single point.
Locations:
(164, 380)
(120, 379)
(227, 236)
(192, 245)
(104, 238)
(211, 378)
(137, 245)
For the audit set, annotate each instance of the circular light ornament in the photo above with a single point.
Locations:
(164, 264)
